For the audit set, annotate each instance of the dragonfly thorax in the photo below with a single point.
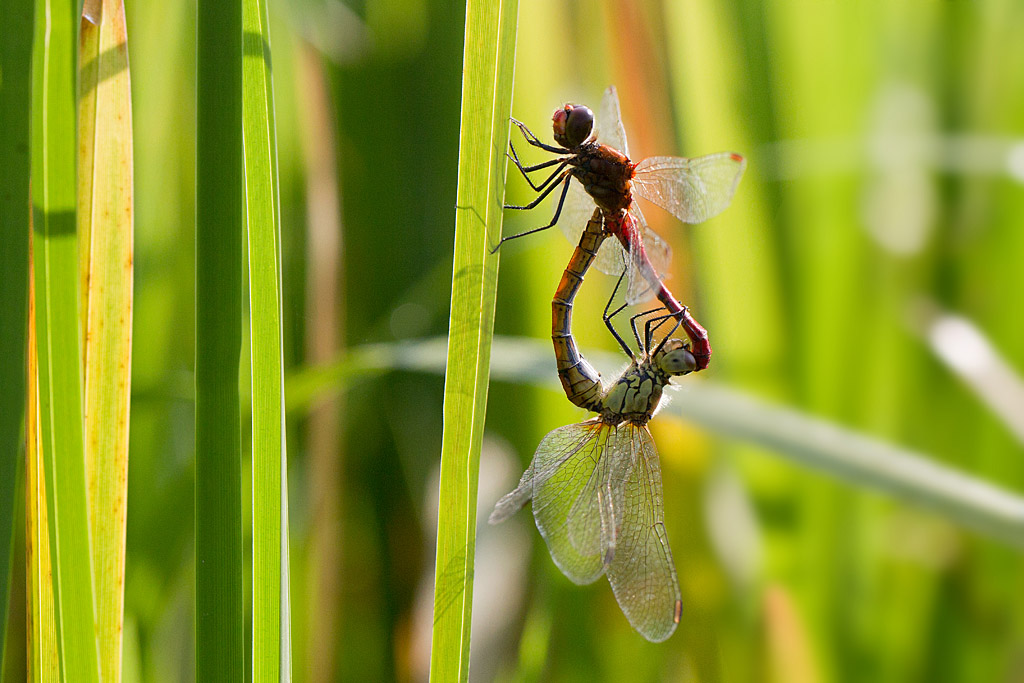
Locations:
(635, 396)
(606, 174)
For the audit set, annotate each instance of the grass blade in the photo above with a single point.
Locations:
(106, 217)
(220, 654)
(486, 105)
(57, 329)
(271, 646)
(41, 634)
(15, 109)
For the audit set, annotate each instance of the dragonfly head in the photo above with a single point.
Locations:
(573, 125)
(673, 357)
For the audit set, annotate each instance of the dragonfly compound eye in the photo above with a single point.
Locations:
(675, 358)
(572, 124)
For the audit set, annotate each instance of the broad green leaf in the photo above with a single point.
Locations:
(15, 111)
(488, 62)
(55, 260)
(220, 636)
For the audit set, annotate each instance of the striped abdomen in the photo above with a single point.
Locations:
(581, 382)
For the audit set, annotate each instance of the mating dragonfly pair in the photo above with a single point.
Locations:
(596, 485)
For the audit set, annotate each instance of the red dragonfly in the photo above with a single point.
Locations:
(693, 190)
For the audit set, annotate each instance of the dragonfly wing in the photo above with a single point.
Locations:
(561, 479)
(693, 190)
(592, 524)
(576, 211)
(645, 273)
(610, 130)
(642, 574)
(611, 257)
(658, 250)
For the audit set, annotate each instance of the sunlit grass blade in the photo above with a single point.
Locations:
(55, 257)
(106, 215)
(486, 105)
(271, 646)
(220, 654)
(15, 110)
(41, 633)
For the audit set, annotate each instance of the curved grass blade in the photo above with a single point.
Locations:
(15, 110)
(220, 634)
(850, 457)
(271, 641)
(56, 265)
(486, 105)
(105, 220)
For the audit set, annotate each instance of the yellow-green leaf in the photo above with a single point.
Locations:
(105, 222)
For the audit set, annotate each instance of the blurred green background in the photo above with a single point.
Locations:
(870, 272)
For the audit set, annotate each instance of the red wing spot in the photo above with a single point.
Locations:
(678, 611)
(736, 157)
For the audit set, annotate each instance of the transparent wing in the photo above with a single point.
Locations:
(610, 130)
(579, 207)
(649, 258)
(693, 190)
(566, 480)
(642, 574)
(611, 257)
(592, 525)
(576, 211)
(658, 250)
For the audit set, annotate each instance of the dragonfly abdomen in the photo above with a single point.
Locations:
(581, 382)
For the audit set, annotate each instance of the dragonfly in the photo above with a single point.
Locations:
(596, 485)
(590, 171)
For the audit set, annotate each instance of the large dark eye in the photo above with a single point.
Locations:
(572, 125)
(579, 125)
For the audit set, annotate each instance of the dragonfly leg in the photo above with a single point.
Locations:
(608, 317)
(534, 140)
(558, 212)
(700, 346)
(636, 333)
(658, 322)
(543, 195)
(526, 169)
(536, 167)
